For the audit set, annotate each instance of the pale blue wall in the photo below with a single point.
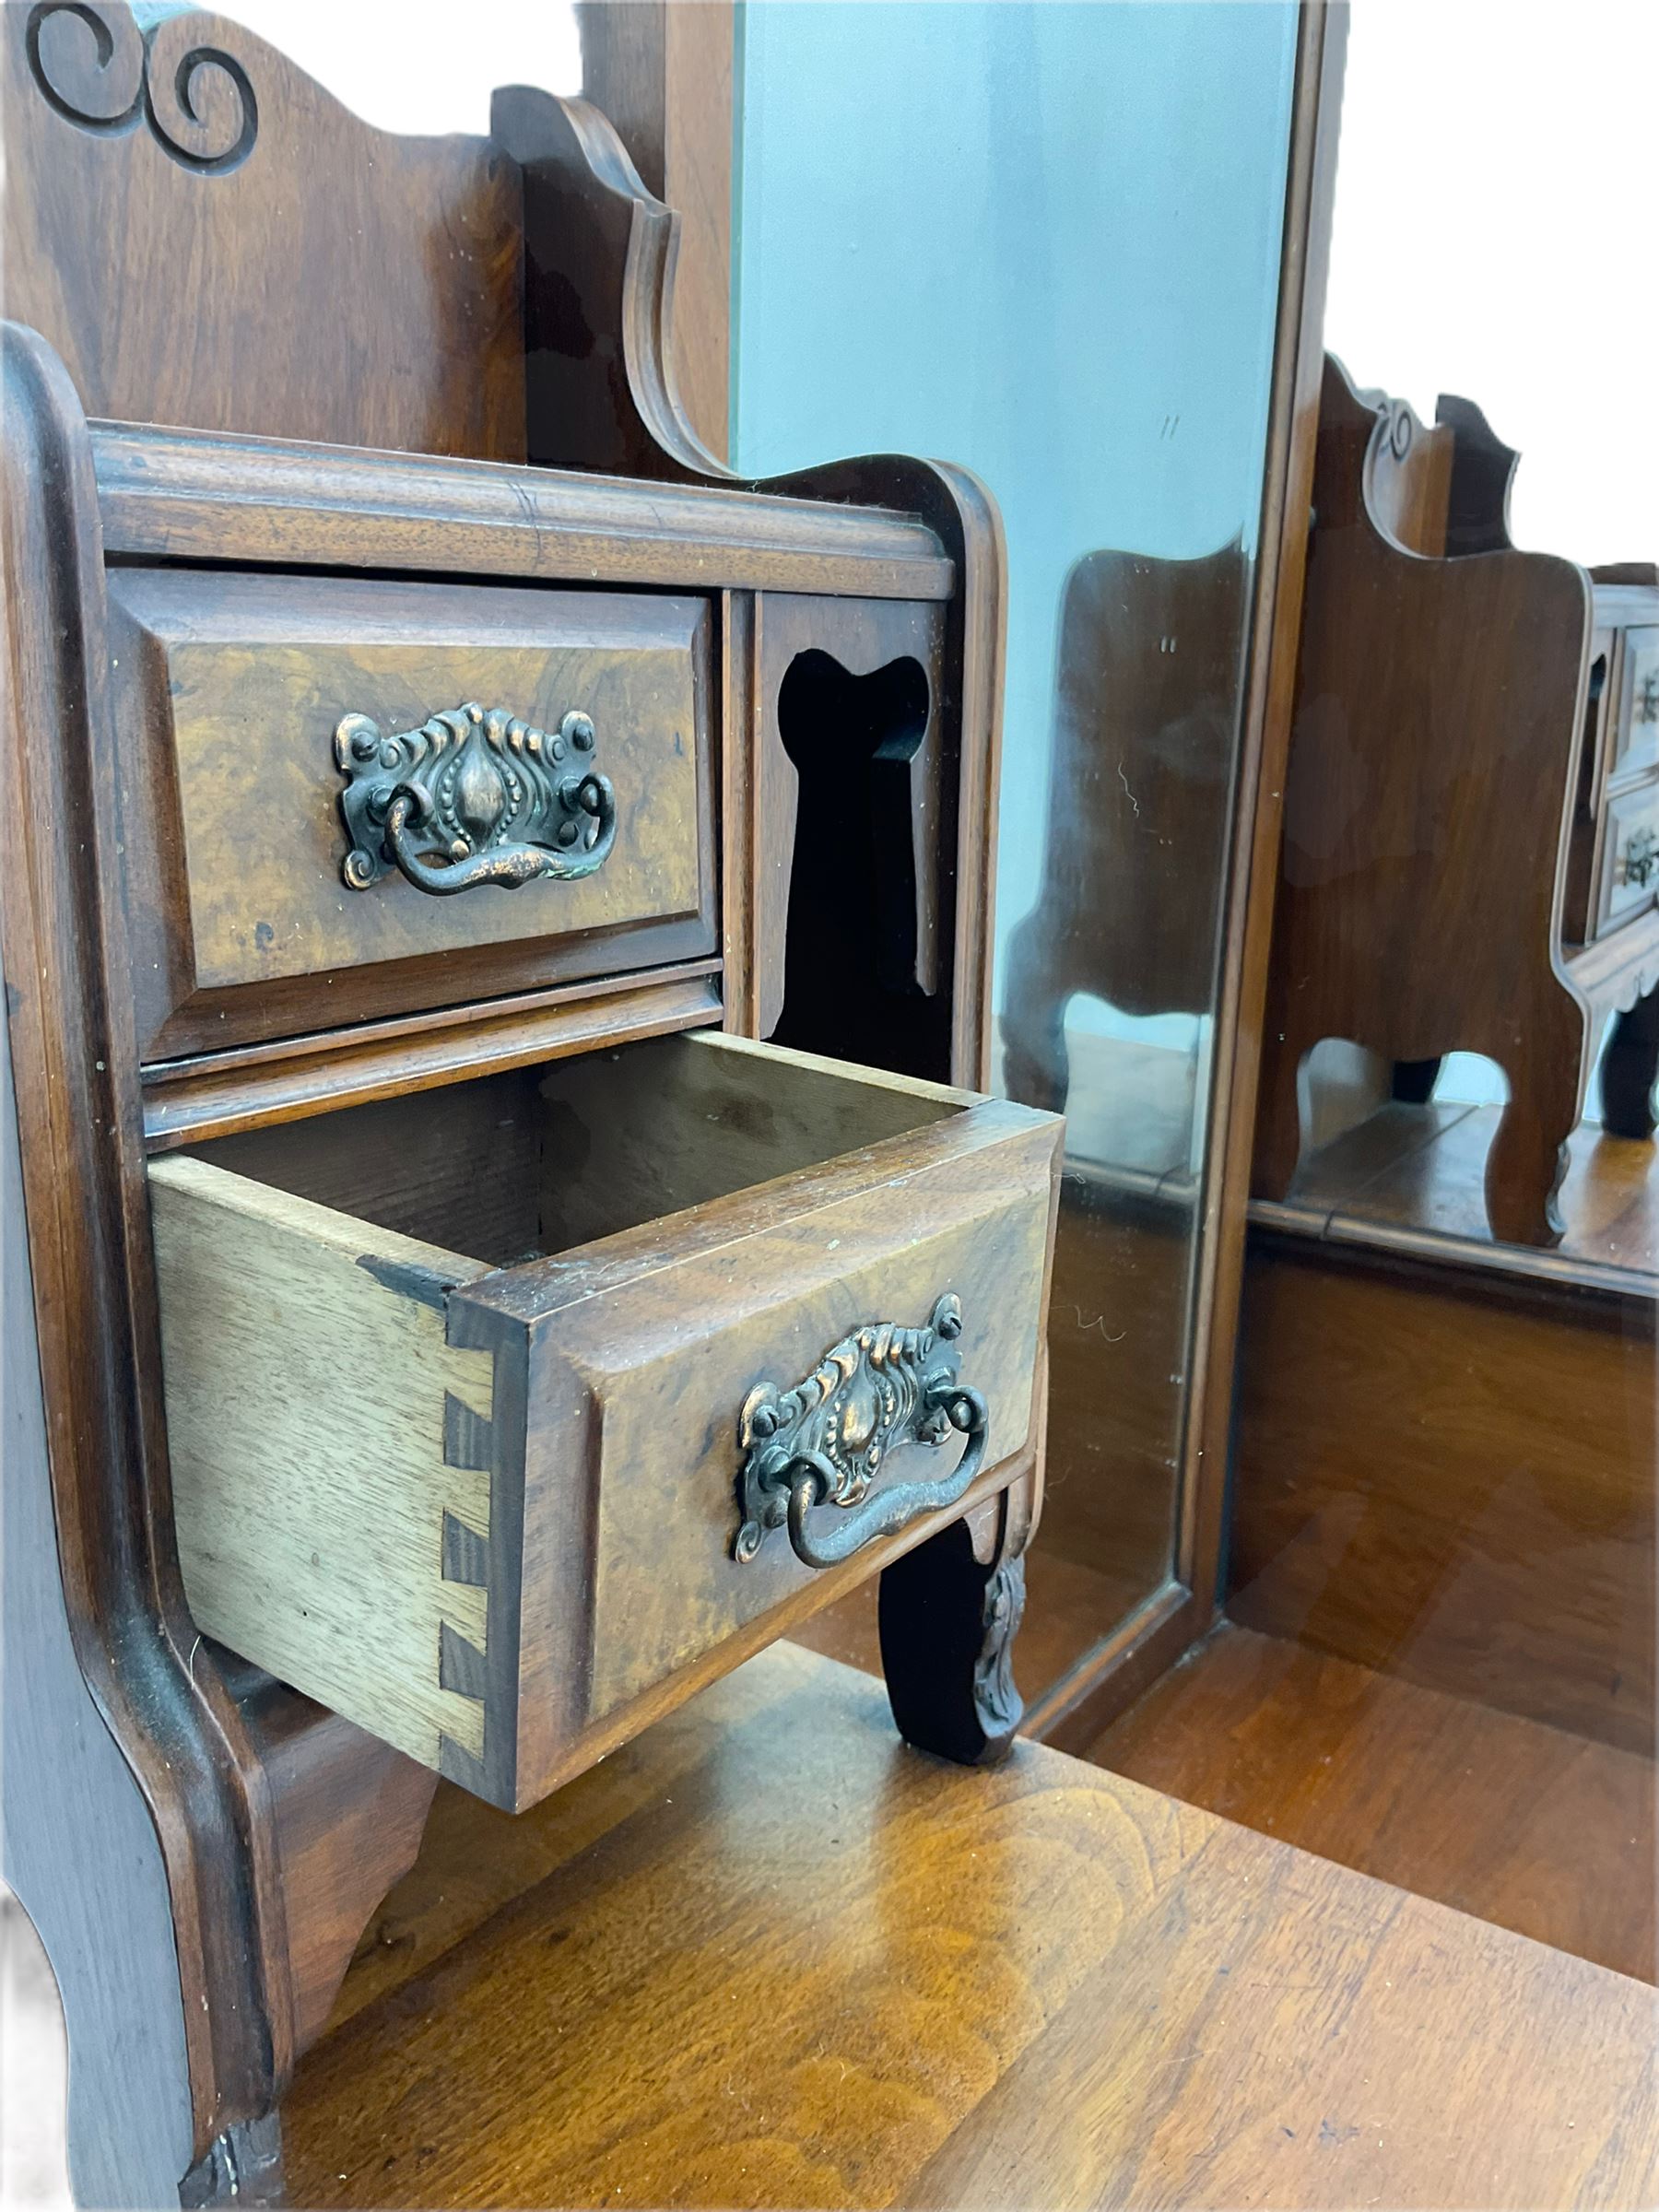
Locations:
(1041, 240)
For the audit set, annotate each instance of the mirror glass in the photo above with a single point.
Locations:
(1042, 240)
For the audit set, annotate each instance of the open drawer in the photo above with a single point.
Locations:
(494, 1409)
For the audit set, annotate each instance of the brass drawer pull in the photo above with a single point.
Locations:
(475, 795)
(824, 1442)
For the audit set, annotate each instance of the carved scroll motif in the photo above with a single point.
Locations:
(95, 67)
(996, 1700)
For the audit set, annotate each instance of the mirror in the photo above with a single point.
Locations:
(1044, 240)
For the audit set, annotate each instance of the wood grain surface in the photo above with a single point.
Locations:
(1422, 1167)
(212, 1094)
(646, 1347)
(1449, 1474)
(497, 1567)
(307, 1411)
(230, 689)
(166, 495)
(1520, 1824)
(249, 254)
(349, 1816)
(173, 178)
(662, 72)
(771, 1958)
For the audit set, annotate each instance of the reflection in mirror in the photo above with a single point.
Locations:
(1044, 239)
(1441, 1539)
(1106, 1016)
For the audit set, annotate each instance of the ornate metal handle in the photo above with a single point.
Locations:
(475, 795)
(824, 1442)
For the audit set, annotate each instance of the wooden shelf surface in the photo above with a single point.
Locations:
(1532, 1827)
(766, 1956)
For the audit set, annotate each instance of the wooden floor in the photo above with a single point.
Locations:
(1422, 1169)
(1516, 1822)
(767, 1957)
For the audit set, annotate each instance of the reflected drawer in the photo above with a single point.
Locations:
(1636, 742)
(362, 798)
(494, 1410)
(1629, 873)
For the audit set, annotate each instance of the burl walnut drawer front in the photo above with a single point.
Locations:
(368, 797)
(727, 1318)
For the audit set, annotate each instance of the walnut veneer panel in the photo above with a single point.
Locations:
(236, 686)
(206, 237)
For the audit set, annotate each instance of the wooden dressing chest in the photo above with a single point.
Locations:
(1472, 806)
(497, 919)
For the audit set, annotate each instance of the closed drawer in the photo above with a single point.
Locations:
(1636, 741)
(493, 1410)
(1629, 873)
(352, 799)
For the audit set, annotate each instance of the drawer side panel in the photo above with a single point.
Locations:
(329, 1453)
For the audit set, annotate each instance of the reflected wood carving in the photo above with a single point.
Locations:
(1429, 782)
(1145, 727)
(1143, 739)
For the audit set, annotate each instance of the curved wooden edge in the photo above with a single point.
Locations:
(80, 1124)
(350, 1813)
(1483, 475)
(80, 1849)
(600, 252)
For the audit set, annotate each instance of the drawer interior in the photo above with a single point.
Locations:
(535, 1162)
